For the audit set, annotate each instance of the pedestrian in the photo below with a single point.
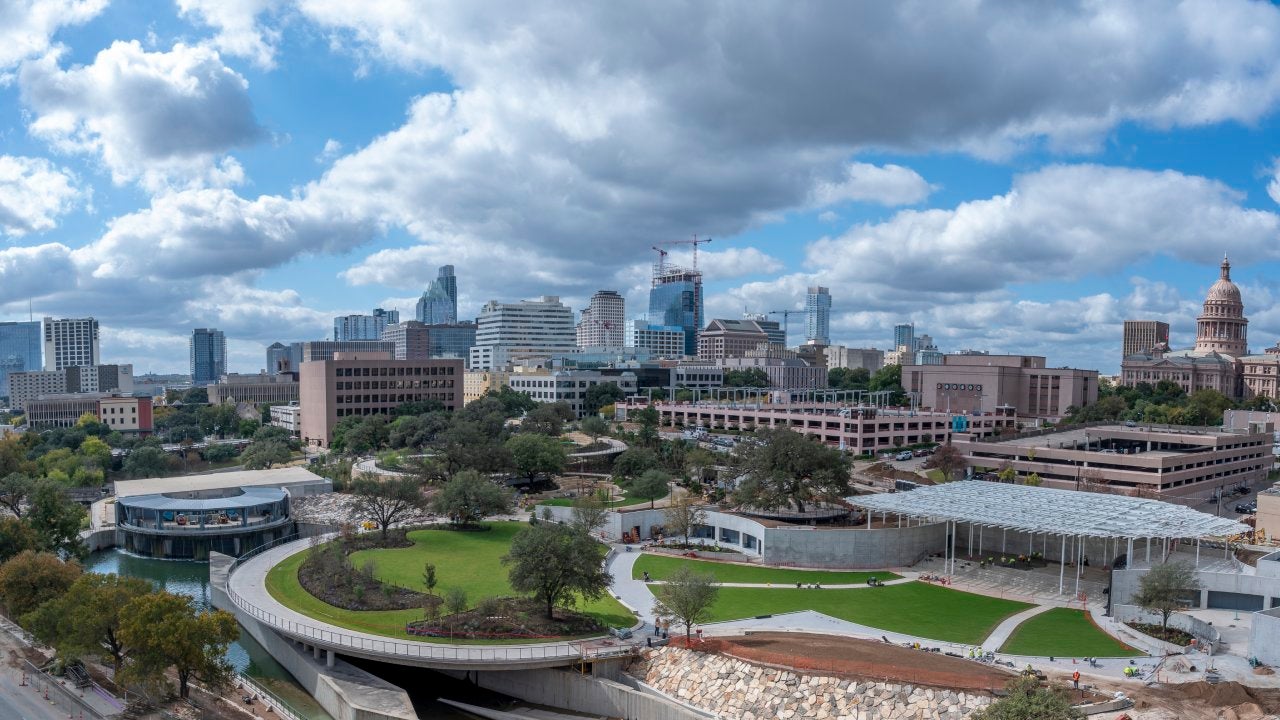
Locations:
(1075, 679)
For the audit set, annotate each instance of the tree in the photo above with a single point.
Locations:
(29, 579)
(386, 501)
(787, 468)
(556, 563)
(1260, 403)
(686, 597)
(652, 485)
(511, 402)
(469, 497)
(589, 513)
(948, 459)
(219, 453)
(418, 407)
(547, 419)
(1007, 473)
(87, 618)
(465, 444)
(165, 630)
(598, 396)
(56, 519)
(455, 600)
(247, 427)
(260, 455)
(647, 418)
(1026, 700)
(594, 426)
(533, 453)
(749, 377)
(16, 536)
(634, 462)
(848, 378)
(1208, 405)
(14, 490)
(1033, 480)
(147, 461)
(1164, 587)
(682, 516)
(96, 453)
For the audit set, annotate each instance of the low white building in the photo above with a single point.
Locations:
(569, 386)
(287, 417)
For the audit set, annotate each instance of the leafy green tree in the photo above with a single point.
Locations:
(262, 454)
(147, 461)
(15, 488)
(30, 579)
(1026, 700)
(89, 424)
(1208, 405)
(247, 427)
(682, 516)
(220, 453)
(600, 395)
(747, 377)
(386, 501)
(651, 485)
(1164, 587)
(469, 497)
(556, 563)
(547, 419)
(594, 426)
(465, 444)
(787, 468)
(16, 536)
(167, 631)
(371, 434)
(1260, 403)
(534, 453)
(416, 431)
(634, 462)
(888, 378)
(96, 453)
(87, 617)
(513, 403)
(647, 418)
(686, 597)
(56, 519)
(849, 378)
(418, 407)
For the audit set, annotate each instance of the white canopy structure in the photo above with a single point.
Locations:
(1065, 514)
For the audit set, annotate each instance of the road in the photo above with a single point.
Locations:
(28, 703)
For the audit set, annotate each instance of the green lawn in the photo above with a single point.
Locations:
(913, 608)
(628, 498)
(661, 567)
(1064, 633)
(471, 560)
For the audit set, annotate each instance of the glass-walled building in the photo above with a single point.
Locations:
(20, 346)
(230, 521)
(676, 300)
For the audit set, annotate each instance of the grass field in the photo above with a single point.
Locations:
(628, 498)
(913, 608)
(470, 560)
(660, 567)
(1064, 633)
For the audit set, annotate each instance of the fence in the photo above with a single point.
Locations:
(279, 707)
(86, 710)
(329, 637)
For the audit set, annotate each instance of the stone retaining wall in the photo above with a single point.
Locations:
(735, 689)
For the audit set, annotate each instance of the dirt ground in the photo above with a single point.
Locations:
(1194, 701)
(841, 656)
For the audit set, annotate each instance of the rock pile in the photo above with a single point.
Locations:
(731, 688)
(338, 508)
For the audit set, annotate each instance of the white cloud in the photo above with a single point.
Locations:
(159, 117)
(332, 149)
(26, 26)
(863, 182)
(1273, 186)
(33, 193)
(239, 31)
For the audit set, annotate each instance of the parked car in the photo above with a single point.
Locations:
(904, 455)
(1247, 507)
(922, 452)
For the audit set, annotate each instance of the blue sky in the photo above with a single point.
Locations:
(1017, 181)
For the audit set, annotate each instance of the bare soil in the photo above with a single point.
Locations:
(509, 618)
(864, 659)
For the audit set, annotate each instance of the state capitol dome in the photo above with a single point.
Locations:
(1222, 327)
(1225, 291)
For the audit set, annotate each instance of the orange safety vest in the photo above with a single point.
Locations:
(1075, 675)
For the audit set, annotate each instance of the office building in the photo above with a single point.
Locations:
(904, 336)
(601, 324)
(315, 350)
(122, 413)
(839, 356)
(1141, 336)
(569, 386)
(1261, 373)
(439, 303)
(966, 384)
(452, 341)
(287, 417)
(27, 386)
(901, 355)
(363, 384)
(208, 348)
(259, 389)
(364, 327)
(410, 339)
(926, 352)
(661, 340)
(70, 342)
(278, 359)
(475, 383)
(731, 338)
(817, 315)
(20, 345)
(675, 300)
(783, 372)
(509, 332)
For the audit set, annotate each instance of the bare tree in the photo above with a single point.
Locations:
(686, 597)
(682, 516)
(949, 460)
(589, 513)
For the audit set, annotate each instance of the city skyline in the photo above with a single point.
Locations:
(1029, 212)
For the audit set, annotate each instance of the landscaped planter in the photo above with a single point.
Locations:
(707, 554)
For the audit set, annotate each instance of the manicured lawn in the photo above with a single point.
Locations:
(628, 498)
(1064, 633)
(661, 567)
(471, 560)
(915, 608)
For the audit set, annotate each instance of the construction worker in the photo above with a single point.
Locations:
(1075, 679)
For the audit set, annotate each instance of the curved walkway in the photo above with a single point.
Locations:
(247, 589)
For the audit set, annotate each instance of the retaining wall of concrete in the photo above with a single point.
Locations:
(582, 693)
(1264, 637)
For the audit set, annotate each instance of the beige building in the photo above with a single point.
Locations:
(371, 383)
(1142, 335)
(260, 389)
(1268, 516)
(475, 383)
(25, 386)
(412, 340)
(870, 359)
(730, 339)
(965, 384)
(1260, 374)
(122, 413)
(1175, 461)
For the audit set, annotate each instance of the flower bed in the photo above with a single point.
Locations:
(507, 618)
(328, 574)
(1171, 635)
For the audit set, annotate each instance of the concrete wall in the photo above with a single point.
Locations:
(97, 540)
(1264, 636)
(583, 694)
(1207, 634)
(343, 690)
(852, 548)
(1125, 584)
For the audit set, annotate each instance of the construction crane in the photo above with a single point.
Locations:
(786, 319)
(695, 242)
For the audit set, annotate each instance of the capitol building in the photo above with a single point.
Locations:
(1220, 359)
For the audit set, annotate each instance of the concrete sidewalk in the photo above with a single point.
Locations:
(1001, 634)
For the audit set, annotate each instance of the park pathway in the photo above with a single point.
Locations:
(1001, 634)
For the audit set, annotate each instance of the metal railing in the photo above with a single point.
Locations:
(278, 706)
(330, 637)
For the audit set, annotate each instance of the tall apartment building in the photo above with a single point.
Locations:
(19, 350)
(410, 339)
(660, 340)
(1142, 335)
(601, 325)
(904, 335)
(839, 356)
(439, 303)
(363, 384)
(675, 300)
(208, 348)
(364, 327)
(817, 315)
(506, 332)
(70, 342)
(27, 386)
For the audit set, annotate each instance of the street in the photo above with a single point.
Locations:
(28, 703)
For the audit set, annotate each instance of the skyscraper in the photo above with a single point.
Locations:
(1142, 335)
(364, 327)
(817, 309)
(675, 299)
(904, 335)
(208, 356)
(601, 325)
(439, 303)
(70, 342)
(278, 359)
(19, 350)
(507, 332)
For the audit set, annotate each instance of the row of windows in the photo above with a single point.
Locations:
(112, 410)
(398, 371)
(390, 398)
(959, 386)
(393, 384)
(364, 411)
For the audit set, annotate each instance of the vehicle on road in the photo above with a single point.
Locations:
(904, 455)
(1247, 507)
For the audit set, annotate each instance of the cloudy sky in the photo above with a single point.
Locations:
(1013, 177)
